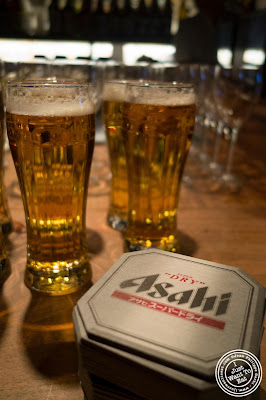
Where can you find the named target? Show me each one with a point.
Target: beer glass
(236, 92)
(158, 127)
(113, 98)
(51, 129)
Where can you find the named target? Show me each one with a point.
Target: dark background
(234, 24)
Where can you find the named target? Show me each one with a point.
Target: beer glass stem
(204, 156)
(214, 165)
(231, 151)
(229, 180)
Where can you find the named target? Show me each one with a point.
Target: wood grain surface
(38, 358)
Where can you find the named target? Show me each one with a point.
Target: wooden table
(38, 358)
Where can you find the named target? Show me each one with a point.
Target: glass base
(215, 168)
(117, 222)
(52, 279)
(169, 243)
(230, 183)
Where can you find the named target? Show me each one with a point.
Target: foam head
(114, 91)
(168, 94)
(49, 99)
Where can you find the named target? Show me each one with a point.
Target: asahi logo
(193, 298)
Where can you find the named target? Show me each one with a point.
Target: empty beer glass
(157, 130)
(51, 129)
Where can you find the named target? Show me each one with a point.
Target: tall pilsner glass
(113, 101)
(158, 128)
(51, 129)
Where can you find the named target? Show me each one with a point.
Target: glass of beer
(157, 128)
(113, 100)
(51, 129)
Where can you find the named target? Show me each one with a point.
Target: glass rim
(49, 83)
(163, 85)
(125, 81)
(116, 81)
(144, 83)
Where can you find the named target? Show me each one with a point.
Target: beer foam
(161, 95)
(48, 101)
(114, 91)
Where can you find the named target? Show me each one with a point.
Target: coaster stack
(156, 324)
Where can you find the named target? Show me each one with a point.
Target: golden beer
(158, 128)
(113, 96)
(52, 146)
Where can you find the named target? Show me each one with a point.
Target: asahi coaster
(146, 379)
(169, 315)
